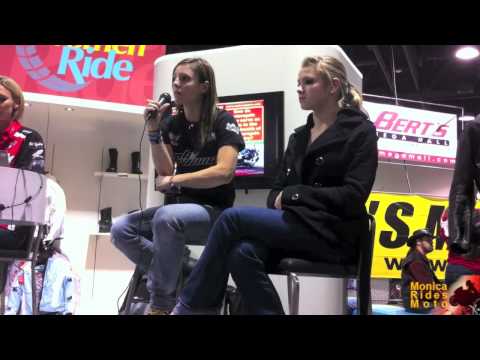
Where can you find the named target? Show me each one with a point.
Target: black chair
(292, 267)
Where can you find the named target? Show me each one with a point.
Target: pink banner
(112, 73)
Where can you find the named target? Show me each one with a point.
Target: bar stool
(293, 267)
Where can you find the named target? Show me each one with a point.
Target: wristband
(174, 187)
(155, 137)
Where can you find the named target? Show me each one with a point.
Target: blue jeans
(455, 272)
(156, 244)
(244, 242)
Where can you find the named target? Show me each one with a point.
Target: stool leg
(3, 273)
(34, 290)
(364, 298)
(33, 263)
(2, 302)
(137, 274)
(180, 283)
(345, 296)
(289, 294)
(293, 293)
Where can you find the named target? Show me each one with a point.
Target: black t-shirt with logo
(184, 137)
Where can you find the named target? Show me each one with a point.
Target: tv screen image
(260, 118)
(250, 119)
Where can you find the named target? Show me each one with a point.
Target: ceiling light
(467, 53)
(466, 118)
(69, 109)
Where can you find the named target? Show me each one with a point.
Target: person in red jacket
(25, 150)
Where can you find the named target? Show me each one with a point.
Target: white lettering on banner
(414, 135)
(232, 127)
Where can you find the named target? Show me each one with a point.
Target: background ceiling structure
(429, 73)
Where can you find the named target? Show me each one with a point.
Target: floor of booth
(379, 309)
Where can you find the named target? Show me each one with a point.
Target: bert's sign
(414, 135)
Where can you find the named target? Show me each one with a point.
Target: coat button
(319, 160)
(295, 197)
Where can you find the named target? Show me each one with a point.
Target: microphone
(162, 99)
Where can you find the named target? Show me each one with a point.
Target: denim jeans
(155, 241)
(455, 272)
(244, 242)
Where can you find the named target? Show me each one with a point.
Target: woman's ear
(14, 110)
(335, 85)
(205, 86)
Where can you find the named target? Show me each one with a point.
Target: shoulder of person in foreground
(32, 154)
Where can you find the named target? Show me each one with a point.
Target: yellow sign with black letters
(397, 217)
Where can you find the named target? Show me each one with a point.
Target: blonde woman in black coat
(316, 209)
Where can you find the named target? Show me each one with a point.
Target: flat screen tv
(260, 117)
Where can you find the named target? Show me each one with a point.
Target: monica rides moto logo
(426, 296)
(463, 297)
(77, 65)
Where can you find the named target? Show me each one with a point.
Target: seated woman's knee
(239, 254)
(231, 214)
(164, 216)
(117, 230)
(240, 217)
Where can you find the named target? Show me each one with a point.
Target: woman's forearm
(162, 159)
(205, 179)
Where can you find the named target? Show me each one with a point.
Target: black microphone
(162, 99)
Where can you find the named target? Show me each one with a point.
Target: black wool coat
(327, 183)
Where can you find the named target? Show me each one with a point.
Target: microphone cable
(162, 99)
(140, 222)
(27, 199)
